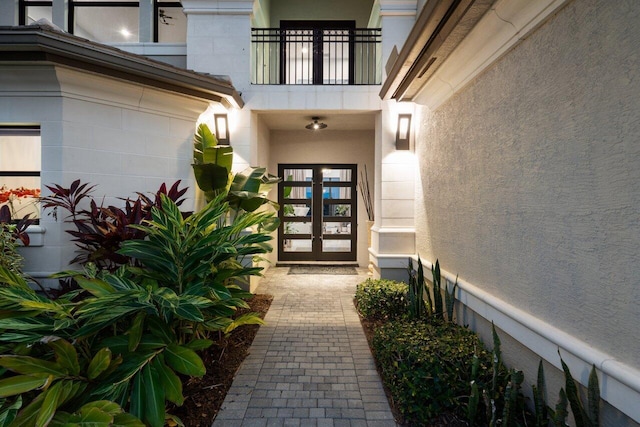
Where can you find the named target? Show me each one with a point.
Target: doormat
(322, 269)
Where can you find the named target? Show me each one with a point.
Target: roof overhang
(41, 43)
(439, 29)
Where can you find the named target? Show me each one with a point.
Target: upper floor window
(171, 22)
(106, 21)
(20, 170)
(32, 10)
(115, 21)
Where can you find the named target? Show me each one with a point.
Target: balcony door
(317, 212)
(317, 52)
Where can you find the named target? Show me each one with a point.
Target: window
(317, 52)
(20, 170)
(105, 21)
(171, 22)
(115, 21)
(31, 11)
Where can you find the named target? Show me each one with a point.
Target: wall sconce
(222, 129)
(403, 133)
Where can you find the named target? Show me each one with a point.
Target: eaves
(439, 29)
(39, 43)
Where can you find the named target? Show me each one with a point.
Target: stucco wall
(119, 136)
(529, 177)
(329, 147)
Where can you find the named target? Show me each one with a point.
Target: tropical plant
(99, 230)
(151, 315)
(583, 417)
(539, 399)
(245, 191)
(436, 308)
(498, 399)
(61, 382)
(211, 163)
(418, 308)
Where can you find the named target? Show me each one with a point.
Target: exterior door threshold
(317, 264)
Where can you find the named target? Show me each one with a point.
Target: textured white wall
(530, 177)
(122, 137)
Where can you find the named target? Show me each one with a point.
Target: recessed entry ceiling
(297, 120)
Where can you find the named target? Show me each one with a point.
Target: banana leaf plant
(245, 191)
(211, 163)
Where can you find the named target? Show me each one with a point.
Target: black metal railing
(316, 56)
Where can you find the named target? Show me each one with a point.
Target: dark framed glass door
(317, 52)
(318, 212)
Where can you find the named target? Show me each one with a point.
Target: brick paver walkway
(310, 365)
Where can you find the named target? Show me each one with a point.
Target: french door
(317, 212)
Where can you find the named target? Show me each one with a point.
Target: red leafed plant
(99, 230)
(19, 228)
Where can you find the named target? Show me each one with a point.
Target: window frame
(157, 4)
(23, 130)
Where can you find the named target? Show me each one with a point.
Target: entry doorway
(318, 212)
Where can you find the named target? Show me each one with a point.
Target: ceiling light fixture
(315, 125)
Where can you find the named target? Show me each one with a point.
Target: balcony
(316, 56)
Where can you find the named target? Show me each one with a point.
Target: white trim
(619, 383)
(503, 26)
(397, 13)
(217, 12)
(153, 49)
(389, 261)
(393, 230)
(36, 235)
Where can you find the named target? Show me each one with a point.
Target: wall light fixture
(222, 129)
(403, 133)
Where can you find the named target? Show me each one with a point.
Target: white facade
(522, 177)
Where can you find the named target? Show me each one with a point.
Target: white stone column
(393, 234)
(219, 43)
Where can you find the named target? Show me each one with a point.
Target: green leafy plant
(539, 399)
(60, 384)
(497, 399)
(437, 291)
(418, 308)
(152, 315)
(245, 191)
(211, 163)
(589, 416)
(435, 307)
(427, 366)
(12, 232)
(450, 299)
(379, 299)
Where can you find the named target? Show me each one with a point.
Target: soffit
(439, 29)
(39, 43)
(336, 121)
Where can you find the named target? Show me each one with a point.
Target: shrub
(427, 366)
(381, 299)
